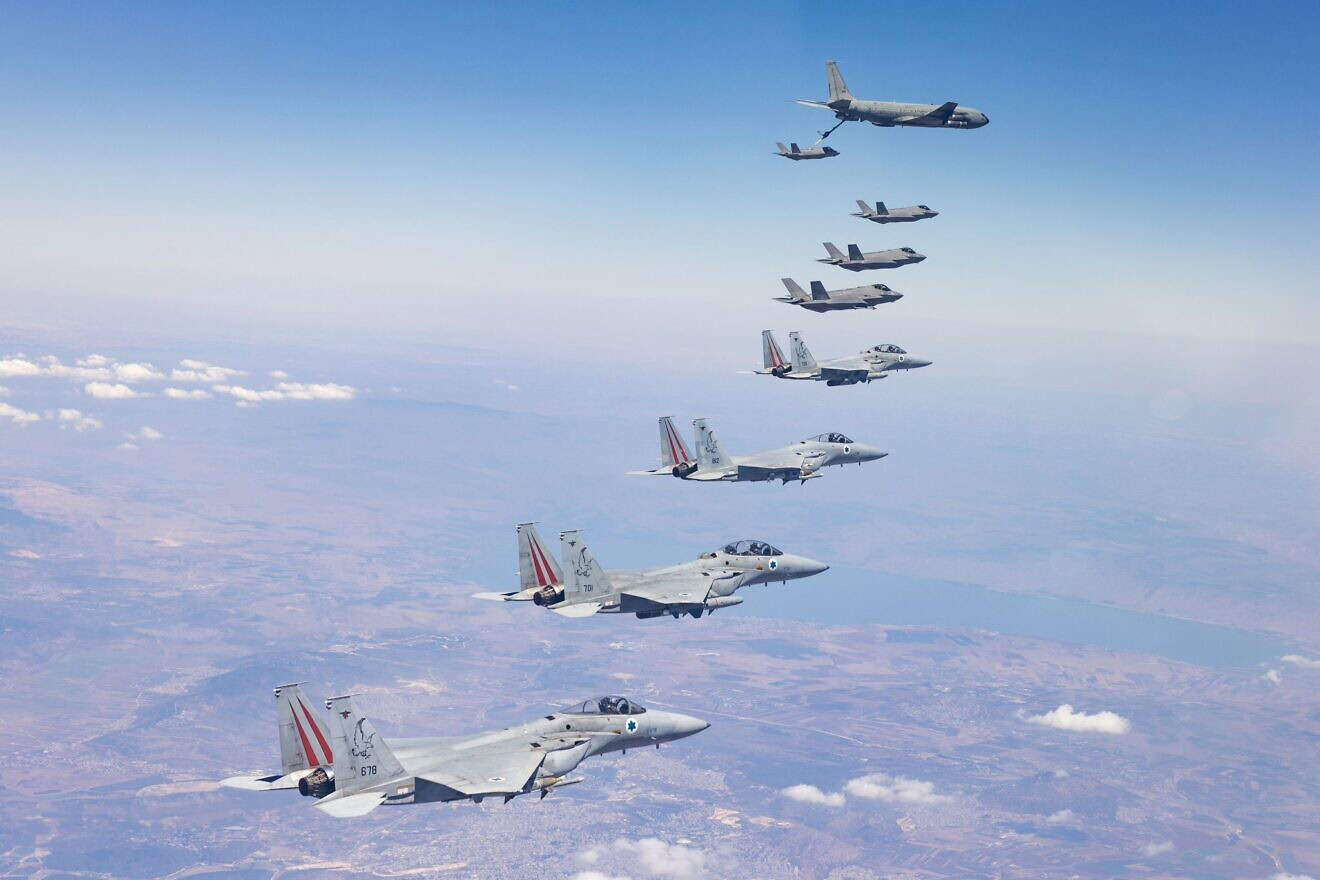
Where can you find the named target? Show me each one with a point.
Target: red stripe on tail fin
(316, 729)
(307, 746)
(544, 572)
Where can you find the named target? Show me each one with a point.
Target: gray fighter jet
(887, 114)
(802, 461)
(867, 296)
(583, 588)
(881, 214)
(796, 153)
(856, 261)
(342, 762)
(874, 363)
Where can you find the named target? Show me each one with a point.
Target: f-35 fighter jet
(881, 214)
(801, 461)
(867, 296)
(856, 261)
(583, 588)
(846, 108)
(796, 153)
(341, 761)
(874, 363)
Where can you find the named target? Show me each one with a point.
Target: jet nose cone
(686, 725)
(807, 567)
(868, 453)
(913, 363)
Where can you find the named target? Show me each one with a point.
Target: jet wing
(483, 771)
(353, 805)
(581, 609)
(939, 116)
(274, 782)
(685, 589)
(828, 373)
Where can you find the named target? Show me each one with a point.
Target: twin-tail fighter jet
(341, 761)
(874, 363)
(887, 114)
(868, 296)
(881, 214)
(856, 261)
(796, 153)
(802, 461)
(582, 588)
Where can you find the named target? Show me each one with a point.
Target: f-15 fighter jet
(341, 761)
(797, 154)
(802, 461)
(881, 214)
(583, 588)
(868, 296)
(856, 261)
(887, 114)
(873, 363)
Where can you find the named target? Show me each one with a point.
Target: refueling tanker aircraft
(881, 214)
(583, 588)
(797, 154)
(802, 461)
(856, 261)
(868, 296)
(873, 363)
(341, 761)
(887, 114)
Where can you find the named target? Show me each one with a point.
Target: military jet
(887, 114)
(797, 154)
(342, 762)
(705, 584)
(856, 261)
(869, 365)
(881, 214)
(802, 461)
(867, 296)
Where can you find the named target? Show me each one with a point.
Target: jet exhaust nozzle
(682, 470)
(549, 595)
(319, 783)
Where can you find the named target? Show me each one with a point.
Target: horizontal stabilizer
(353, 805)
(658, 472)
(581, 609)
(820, 104)
(524, 596)
(274, 782)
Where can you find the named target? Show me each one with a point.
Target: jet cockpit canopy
(830, 437)
(606, 706)
(888, 349)
(751, 548)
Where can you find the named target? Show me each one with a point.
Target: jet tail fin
(854, 252)
(771, 357)
(672, 451)
(795, 293)
(802, 359)
(838, 88)
(536, 567)
(818, 291)
(834, 252)
(866, 209)
(794, 147)
(585, 577)
(782, 149)
(304, 733)
(362, 759)
(880, 208)
(709, 453)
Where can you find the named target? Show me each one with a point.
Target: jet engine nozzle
(319, 783)
(548, 595)
(723, 601)
(683, 469)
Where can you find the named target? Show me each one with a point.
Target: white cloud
(146, 432)
(190, 370)
(137, 373)
(660, 859)
(1064, 718)
(24, 554)
(53, 367)
(1062, 817)
(1299, 660)
(18, 416)
(810, 794)
(94, 360)
(109, 391)
(1284, 875)
(278, 374)
(1273, 676)
(894, 789)
(3, 391)
(597, 875)
(508, 386)
(127, 446)
(185, 394)
(17, 366)
(289, 391)
(72, 418)
(1157, 849)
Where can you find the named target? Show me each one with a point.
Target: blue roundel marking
(774, 563)
(632, 725)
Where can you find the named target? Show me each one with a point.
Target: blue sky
(1147, 169)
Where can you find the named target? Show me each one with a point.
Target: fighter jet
(881, 214)
(797, 154)
(802, 461)
(341, 761)
(704, 584)
(821, 300)
(856, 261)
(887, 114)
(873, 363)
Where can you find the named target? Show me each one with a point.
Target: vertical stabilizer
(835, 253)
(803, 362)
(855, 253)
(782, 148)
(361, 757)
(795, 293)
(304, 734)
(772, 358)
(866, 209)
(881, 209)
(583, 576)
(794, 147)
(838, 88)
(672, 450)
(818, 291)
(536, 567)
(709, 453)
